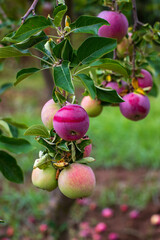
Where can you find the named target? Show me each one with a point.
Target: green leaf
(62, 77)
(81, 146)
(154, 91)
(94, 48)
(37, 130)
(5, 87)
(67, 53)
(88, 24)
(24, 73)
(9, 168)
(89, 84)
(63, 146)
(110, 64)
(30, 27)
(15, 145)
(11, 51)
(58, 49)
(5, 128)
(1, 221)
(108, 95)
(16, 124)
(58, 14)
(46, 144)
(86, 160)
(60, 97)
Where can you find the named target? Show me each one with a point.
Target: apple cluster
(74, 179)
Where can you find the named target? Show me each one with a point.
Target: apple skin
(71, 122)
(114, 85)
(125, 47)
(45, 178)
(135, 107)
(48, 111)
(93, 107)
(87, 150)
(118, 25)
(77, 181)
(146, 81)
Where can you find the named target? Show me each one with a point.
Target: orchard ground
(127, 171)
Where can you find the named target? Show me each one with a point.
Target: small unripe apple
(125, 47)
(118, 25)
(119, 87)
(71, 122)
(92, 106)
(155, 219)
(135, 107)
(146, 81)
(45, 178)
(48, 111)
(77, 181)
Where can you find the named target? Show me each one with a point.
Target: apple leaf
(5, 87)
(24, 73)
(86, 160)
(15, 124)
(5, 128)
(37, 130)
(95, 47)
(9, 168)
(11, 51)
(89, 84)
(87, 24)
(108, 95)
(58, 14)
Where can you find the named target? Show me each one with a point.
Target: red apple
(45, 178)
(48, 112)
(100, 227)
(77, 181)
(71, 122)
(146, 81)
(135, 107)
(118, 86)
(118, 25)
(92, 106)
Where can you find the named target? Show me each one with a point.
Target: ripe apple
(146, 81)
(71, 122)
(93, 107)
(119, 87)
(118, 25)
(135, 107)
(100, 227)
(48, 112)
(155, 219)
(77, 181)
(45, 178)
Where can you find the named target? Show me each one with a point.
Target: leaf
(16, 124)
(58, 14)
(67, 51)
(5, 128)
(62, 77)
(46, 144)
(63, 146)
(1, 221)
(87, 24)
(110, 64)
(57, 50)
(60, 97)
(154, 91)
(15, 145)
(37, 130)
(11, 51)
(9, 168)
(5, 87)
(86, 160)
(30, 27)
(94, 48)
(81, 146)
(89, 84)
(108, 95)
(24, 73)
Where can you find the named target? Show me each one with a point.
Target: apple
(87, 150)
(118, 25)
(113, 236)
(71, 122)
(100, 227)
(107, 213)
(92, 106)
(155, 219)
(125, 47)
(146, 81)
(45, 178)
(48, 112)
(118, 86)
(77, 181)
(135, 107)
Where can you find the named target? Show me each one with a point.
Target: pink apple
(135, 107)
(100, 227)
(155, 219)
(71, 122)
(107, 213)
(45, 178)
(43, 228)
(146, 81)
(134, 214)
(118, 25)
(124, 208)
(113, 236)
(48, 112)
(118, 86)
(77, 181)
(92, 106)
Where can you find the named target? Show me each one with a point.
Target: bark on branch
(31, 9)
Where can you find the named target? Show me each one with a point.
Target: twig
(31, 9)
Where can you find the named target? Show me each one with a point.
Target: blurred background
(127, 153)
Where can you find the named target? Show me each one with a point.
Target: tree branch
(31, 9)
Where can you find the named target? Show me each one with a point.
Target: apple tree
(116, 64)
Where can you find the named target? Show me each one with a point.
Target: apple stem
(31, 9)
